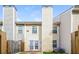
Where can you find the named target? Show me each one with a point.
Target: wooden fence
(3, 44)
(75, 42)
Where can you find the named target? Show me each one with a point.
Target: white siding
(75, 25)
(19, 36)
(56, 35)
(30, 36)
(65, 31)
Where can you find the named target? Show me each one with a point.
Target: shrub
(59, 51)
(50, 52)
(0, 30)
(54, 51)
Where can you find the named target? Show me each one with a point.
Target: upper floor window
(20, 29)
(54, 29)
(34, 29)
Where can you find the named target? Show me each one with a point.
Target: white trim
(34, 41)
(13, 23)
(71, 21)
(24, 33)
(58, 36)
(3, 20)
(25, 38)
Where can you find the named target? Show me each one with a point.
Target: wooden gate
(3, 45)
(75, 42)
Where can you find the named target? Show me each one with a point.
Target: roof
(35, 23)
(10, 6)
(32, 23)
(76, 9)
(28, 23)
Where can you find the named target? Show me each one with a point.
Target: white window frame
(20, 28)
(55, 43)
(34, 42)
(34, 29)
(54, 30)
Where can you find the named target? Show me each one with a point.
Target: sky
(34, 12)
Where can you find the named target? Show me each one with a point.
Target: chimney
(9, 17)
(47, 26)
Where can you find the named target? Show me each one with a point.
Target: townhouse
(69, 22)
(46, 35)
(37, 36)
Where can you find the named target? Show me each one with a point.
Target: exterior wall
(75, 24)
(26, 43)
(69, 23)
(56, 36)
(58, 29)
(9, 17)
(47, 27)
(65, 31)
(40, 37)
(19, 36)
(30, 36)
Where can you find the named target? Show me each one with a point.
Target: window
(20, 29)
(31, 44)
(54, 43)
(34, 44)
(34, 29)
(54, 29)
